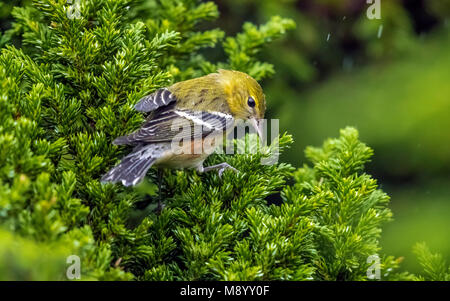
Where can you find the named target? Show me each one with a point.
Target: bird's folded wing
(160, 98)
(168, 123)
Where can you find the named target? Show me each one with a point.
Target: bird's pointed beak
(256, 124)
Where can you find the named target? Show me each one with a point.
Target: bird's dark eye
(251, 102)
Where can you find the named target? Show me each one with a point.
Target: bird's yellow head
(245, 99)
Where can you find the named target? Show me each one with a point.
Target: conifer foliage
(69, 90)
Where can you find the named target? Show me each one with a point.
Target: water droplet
(380, 31)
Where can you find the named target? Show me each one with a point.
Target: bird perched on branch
(197, 113)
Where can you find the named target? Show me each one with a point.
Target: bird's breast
(190, 153)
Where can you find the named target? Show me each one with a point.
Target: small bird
(210, 106)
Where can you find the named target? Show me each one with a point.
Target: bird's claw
(219, 167)
(225, 167)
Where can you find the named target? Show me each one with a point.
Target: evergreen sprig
(435, 267)
(344, 204)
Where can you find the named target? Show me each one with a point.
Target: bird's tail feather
(133, 168)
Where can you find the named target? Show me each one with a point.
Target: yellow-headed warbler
(214, 102)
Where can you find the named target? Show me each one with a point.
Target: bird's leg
(160, 178)
(219, 167)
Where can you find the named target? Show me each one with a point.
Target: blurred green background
(388, 77)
